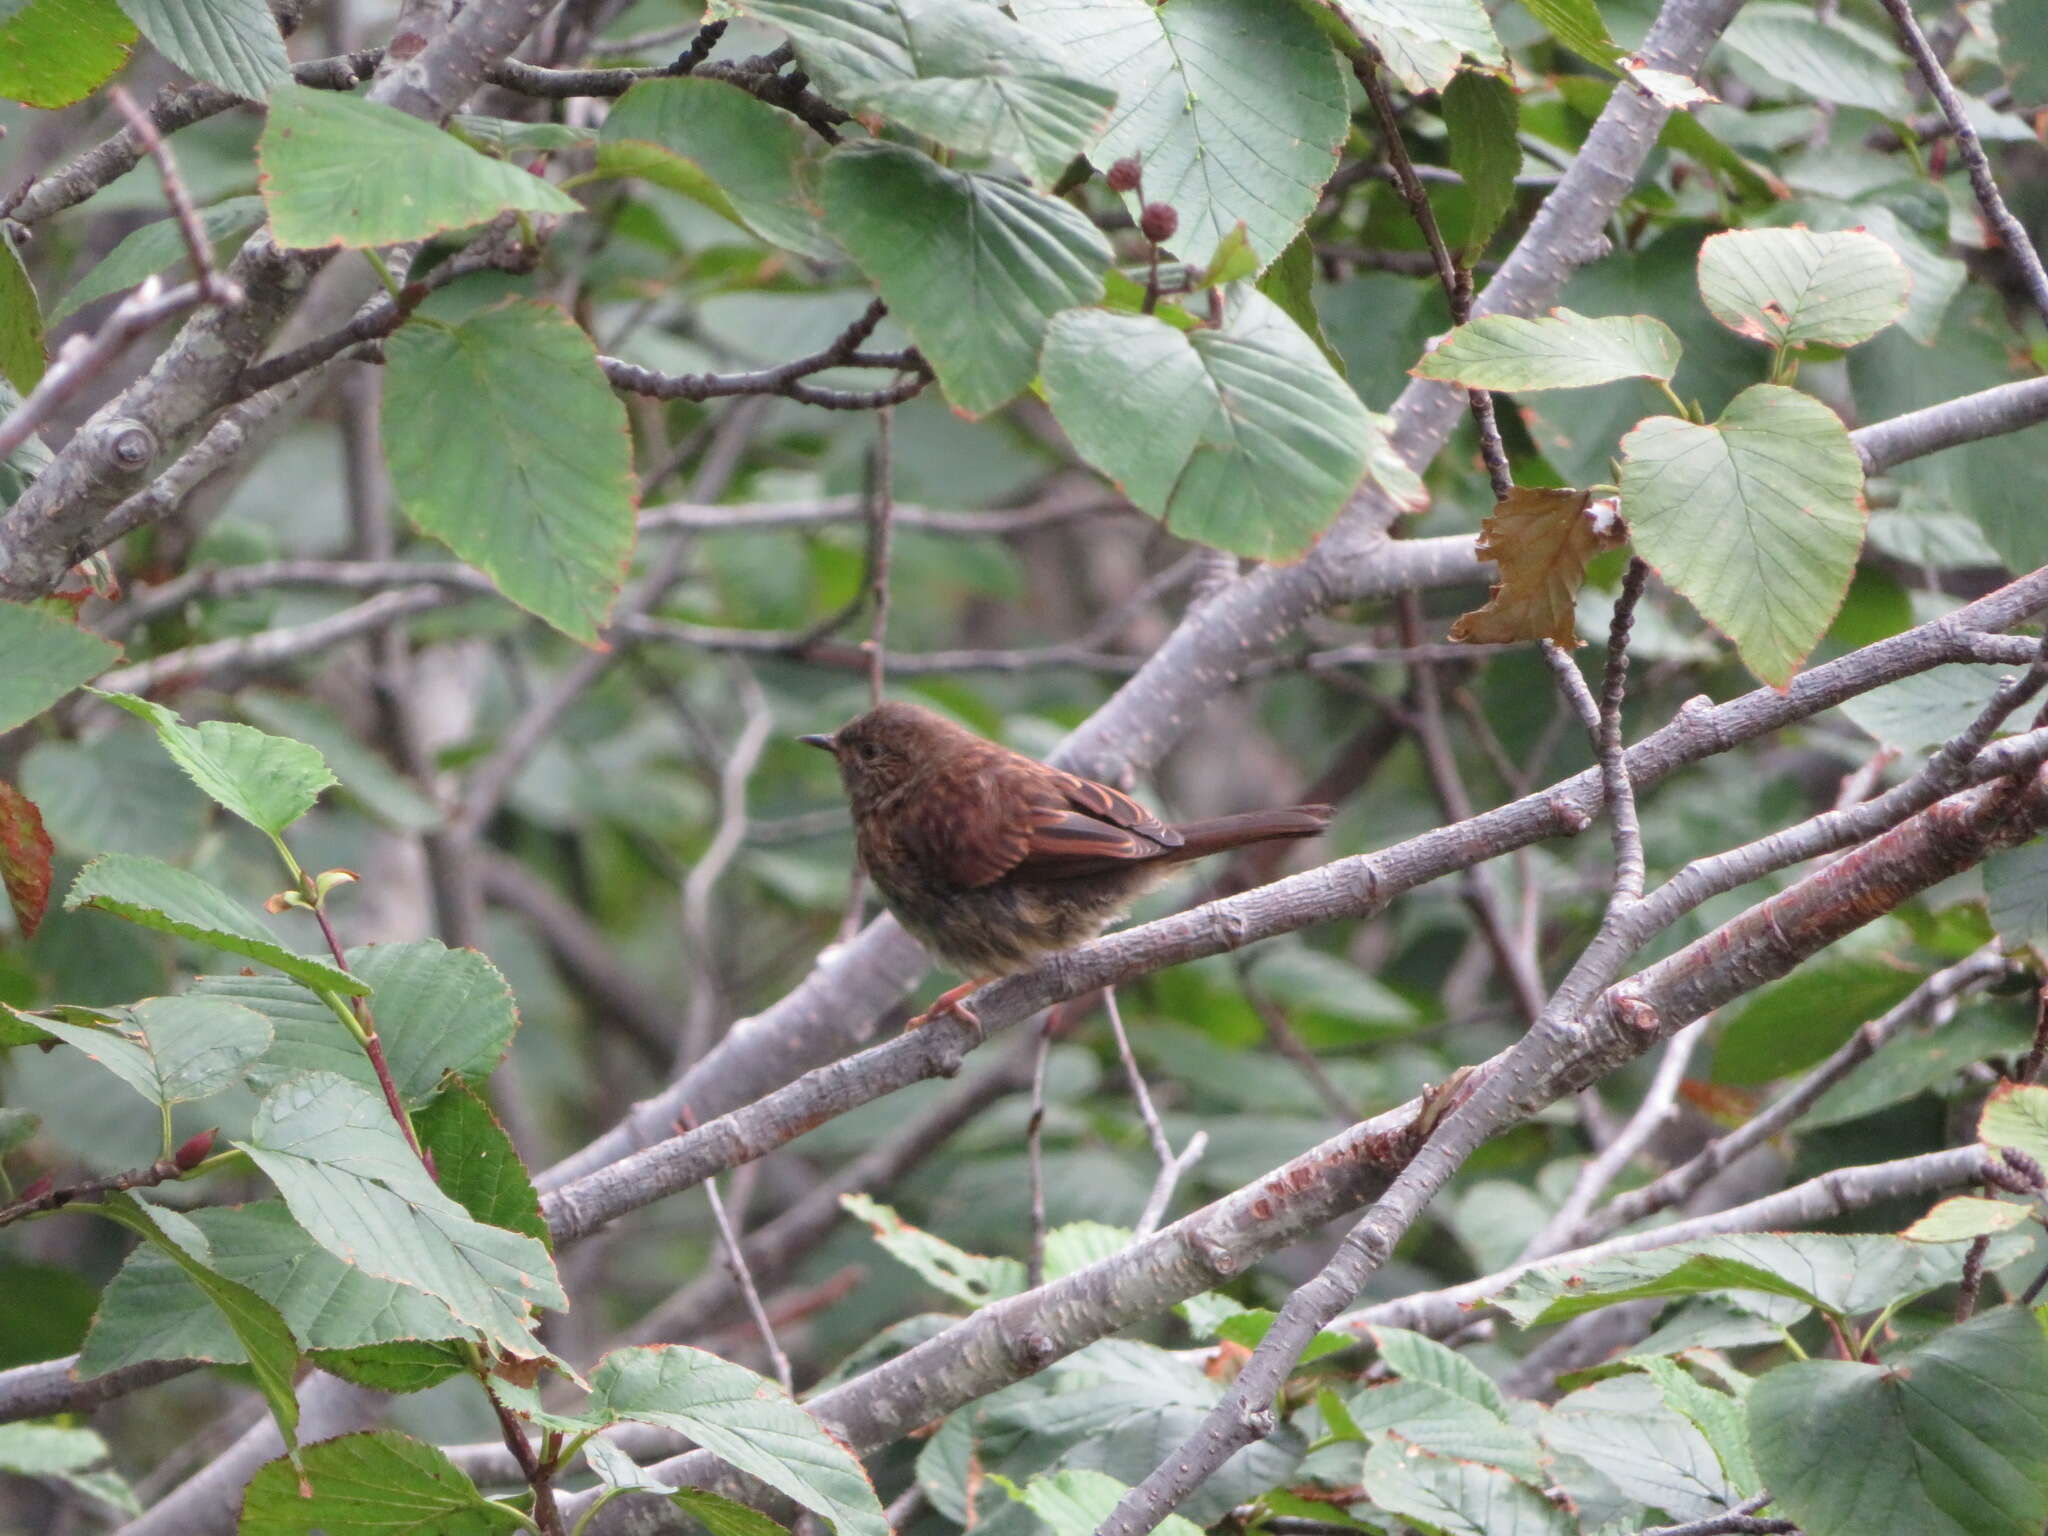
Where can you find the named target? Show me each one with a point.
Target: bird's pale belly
(998, 929)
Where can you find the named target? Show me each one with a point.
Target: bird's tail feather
(1218, 834)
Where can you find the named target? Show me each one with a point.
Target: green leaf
(1758, 519)
(47, 657)
(267, 1344)
(1561, 350)
(438, 1010)
(732, 152)
(1579, 26)
(2023, 51)
(720, 1516)
(1415, 1357)
(968, 1277)
(1232, 259)
(404, 1365)
(1250, 1328)
(378, 1483)
(152, 1310)
(1623, 1430)
(268, 781)
(1950, 1439)
(159, 248)
(18, 1028)
(1964, 1217)
(1422, 40)
(1458, 1498)
(1445, 1424)
(363, 773)
(1839, 1274)
(477, 1162)
(1922, 1060)
(152, 893)
(1790, 1025)
(17, 1128)
(1793, 287)
(328, 159)
(115, 794)
(48, 1450)
(1715, 1414)
(2016, 891)
(1242, 437)
(64, 1454)
(1934, 277)
(21, 321)
(1235, 108)
(55, 52)
(173, 1050)
(505, 443)
(1484, 117)
(1290, 283)
(1919, 713)
(743, 1419)
(1077, 1244)
(234, 44)
(2016, 1115)
(1835, 61)
(964, 74)
(1993, 482)
(345, 1171)
(1078, 1502)
(972, 266)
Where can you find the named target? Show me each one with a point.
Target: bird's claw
(955, 1004)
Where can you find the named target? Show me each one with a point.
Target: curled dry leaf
(1541, 540)
(24, 858)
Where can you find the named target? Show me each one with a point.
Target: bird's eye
(868, 751)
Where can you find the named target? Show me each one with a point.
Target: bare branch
(2011, 233)
(859, 980)
(246, 654)
(1681, 1182)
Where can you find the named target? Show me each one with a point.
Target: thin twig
(1739, 1521)
(736, 1261)
(1456, 281)
(2011, 233)
(881, 507)
(1034, 1153)
(2030, 1068)
(1562, 1230)
(1171, 1165)
(56, 1197)
(1629, 866)
(1518, 964)
(213, 287)
(1290, 1045)
(83, 358)
(699, 935)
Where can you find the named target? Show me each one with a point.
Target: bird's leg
(953, 1002)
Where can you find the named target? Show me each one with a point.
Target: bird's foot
(953, 1002)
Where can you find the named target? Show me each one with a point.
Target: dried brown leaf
(24, 858)
(1541, 539)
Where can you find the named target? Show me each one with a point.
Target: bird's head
(883, 750)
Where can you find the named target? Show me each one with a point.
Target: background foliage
(462, 447)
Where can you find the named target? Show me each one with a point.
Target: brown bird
(992, 860)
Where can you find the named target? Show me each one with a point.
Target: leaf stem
(383, 273)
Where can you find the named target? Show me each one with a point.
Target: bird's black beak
(820, 741)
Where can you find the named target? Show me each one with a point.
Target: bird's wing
(1016, 814)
